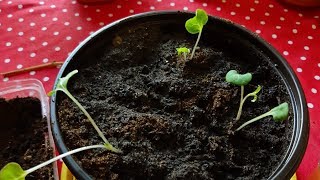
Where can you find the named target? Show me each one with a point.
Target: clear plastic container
(31, 88)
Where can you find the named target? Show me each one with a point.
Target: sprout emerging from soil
(183, 51)
(62, 86)
(279, 114)
(241, 80)
(13, 171)
(195, 26)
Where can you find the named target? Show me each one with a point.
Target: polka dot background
(40, 31)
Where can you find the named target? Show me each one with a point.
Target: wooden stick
(32, 68)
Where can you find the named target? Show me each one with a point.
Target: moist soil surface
(173, 120)
(22, 135)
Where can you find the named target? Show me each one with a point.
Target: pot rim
(299, 140)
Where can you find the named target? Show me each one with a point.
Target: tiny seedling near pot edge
(195, 25)
(183, 51)
(62, 86)
(241, 80)
(13, 171)
(279, 114)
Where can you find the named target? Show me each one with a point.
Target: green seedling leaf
(62, 83)
(235, 78)
(182, 50)
(279, 114)
(254, 94)
(12, 171)
(194, 25)
(242, 100)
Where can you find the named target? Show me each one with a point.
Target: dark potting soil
(173, 122)
(22, 135)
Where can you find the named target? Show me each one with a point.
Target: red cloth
(38, 31)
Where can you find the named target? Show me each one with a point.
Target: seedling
(183, 51)
(279, 114)
(13, 171)
(62, 86)
(195, 26)
(241, 80)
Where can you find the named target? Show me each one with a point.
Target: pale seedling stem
(195, 46)
(241, 104)
(253, 120)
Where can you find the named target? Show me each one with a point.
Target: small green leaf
(12, 171)
(182, 50)
(62, 82)
(235, 78)
(254, 94)
(194, 25)
(280, 113)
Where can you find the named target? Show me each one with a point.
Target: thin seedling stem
(195, 46)
(253, 120)
(241, 104)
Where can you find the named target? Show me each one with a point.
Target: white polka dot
(19, 66)
(290, 42)
(66, 23)
(314, 26)
(252, 9)
(110, 15)
(32, 38)
(232, 13)
(152, 8)
(318, 64)
(20, 19)
(7, 60)
(89, 19)
(32, 54)
(46, 79)
(278, 27)
(317, 77)
(285, 10)
(68, 38)
(53, 6)
(79, 28)
(9, 16)
(314, 91)
(258, 31)
(295, 31)
(286, 53)
(20, 33)
(300, 14)
(274, 36)
(91, 32)
(316, 17)
(282, 18)
(204, 4)
(189, 1)
(64, 10)
(32, 24)
(8, 44)
(266, 14)
(32, 73)
(256, 2)
(184, 8)
(139, 2)
(310, 105)
(57, 48)
(218, 8)
(306, 48)
(76, 14)
(299, 70)
(20, 6)
(298, 23)
(20, 49)
(5, 79)
(74, 2)
(237, 5)
(45, 60)
(9, 2)
(41, 3)
(43, 15)
(172, 4)
(56, 33)
(247, 17)
(310, 37)
(9, 29)
(55, 19)
(262, 22)
(44, 43)
(119, 6)
(224, 1)
(31, 10)
(44, 28)
(131, 11)
(85, 6)
(303, 58)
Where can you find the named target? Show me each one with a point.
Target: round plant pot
(247, 52)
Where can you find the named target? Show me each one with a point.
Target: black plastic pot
(247, 41)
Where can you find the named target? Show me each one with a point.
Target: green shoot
(183, 51)
(279, 114)
(195, 26)
(13, 171)
(241, 80)
(62, 86)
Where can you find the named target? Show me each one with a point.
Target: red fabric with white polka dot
(39, 31)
